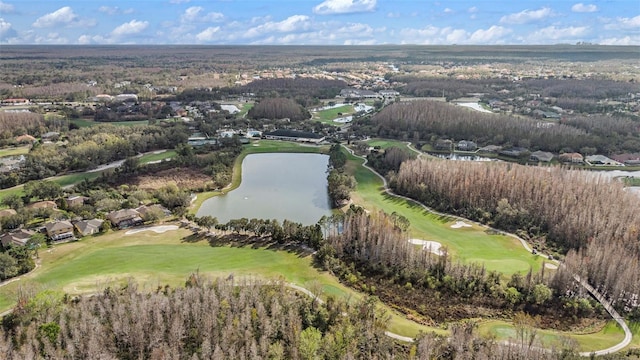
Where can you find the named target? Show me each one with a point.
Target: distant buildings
(293, 135)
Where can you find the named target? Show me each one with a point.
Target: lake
(276, 186)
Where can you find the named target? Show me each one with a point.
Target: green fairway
(153, 260)
(606, 337)
(327, 116)
(147, 158)
(469, 244)
(245, 109)
(13, 151)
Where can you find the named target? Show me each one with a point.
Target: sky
(318, 22)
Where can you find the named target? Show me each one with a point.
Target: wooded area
(590, 217)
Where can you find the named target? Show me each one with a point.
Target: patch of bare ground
(184, 178)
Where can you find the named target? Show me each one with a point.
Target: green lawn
(156, 157)
(608, 336)
(63, 180)
(471, 244)
(245, 109)
(154, 260)
(13, 151)
(327, 116)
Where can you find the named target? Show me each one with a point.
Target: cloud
(329, 7)
(209, 34)
(491, 35)
(194, 14)
(6, 29)
(623, 23)
(131, 28)
(113, 10)
(292, 23)
(552, 34)
(582, 8)
(627, 40)
(448, 11)
(472, 10)
(62, 17)
(393, 15)
(526, 16)
(6, 8)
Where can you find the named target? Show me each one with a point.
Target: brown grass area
(184, 178)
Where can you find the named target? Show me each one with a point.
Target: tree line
(424, 120)
(239, 319)
(339, 183)
(278, 108)
(589, 217)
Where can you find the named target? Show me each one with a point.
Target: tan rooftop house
(16, 238)
(7, 212)
(73, 201)
(125, 218)
(59, 230)
(47, 204)
(88, 227)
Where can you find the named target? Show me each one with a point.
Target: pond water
(276, 186)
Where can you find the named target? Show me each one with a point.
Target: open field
(328, 115)
(603, 338)
(13, 151)
(158, 156)
(468, 244)
(153, 260)
(63, 180)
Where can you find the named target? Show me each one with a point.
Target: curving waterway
(278, 186)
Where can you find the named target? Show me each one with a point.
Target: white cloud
(627, 40)
(489, 36)
(448, 11)
(292, 23)
(553, 34)
(62, 17)
(393, 15)
(472, 9)
(623, 23)
(584, 8)
(113, 10)
(329, 7)
(131, 28)
(5, 28)
(84, 39)
(194, 14)
(6, 8)
(526, 16)
(209, 34)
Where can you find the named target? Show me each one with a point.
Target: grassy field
(328, 115)
(63, 180)
(470, 244)
(245, 109)
(608, 336)
(153, 260)
(157, 157)
(13, 151)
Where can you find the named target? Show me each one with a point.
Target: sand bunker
(460, 224)
(433, 246)
(550, 266)
(156, 229)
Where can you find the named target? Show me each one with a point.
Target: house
(16, 238)
(358, 94)
(514, 152)
(50, 135)
(88, 227)
(293, 135)
(444, 144)
(73, 201)
(144, 210)
(490, 149)
(466, 145)
(125, 218)
(388, 93)
(127, 97)
(574, 158)
(541, 156)
(546, 114)
(47, 204)
(601, 160)
(7, 212)
(627, 159)
(59, 230)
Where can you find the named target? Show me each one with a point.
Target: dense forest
(224, 319)
(278, 108)
(426, 120)
(306, 91)
(591, 217)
